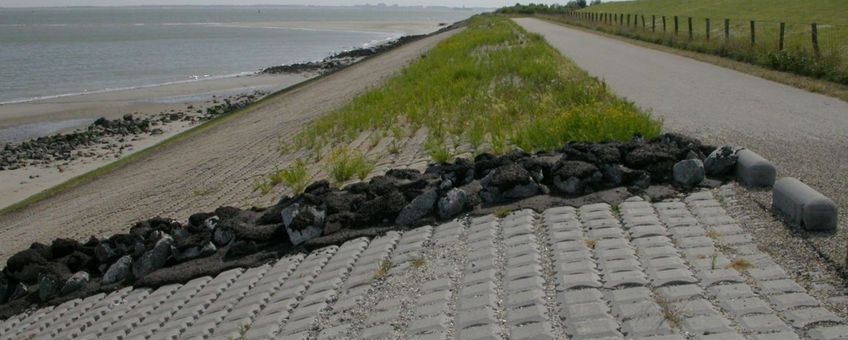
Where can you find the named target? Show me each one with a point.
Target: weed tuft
(502, 212)
(383, 270)
(418, 262)
(262, 186)
(345, 164)
(740, 265)
(294, 177)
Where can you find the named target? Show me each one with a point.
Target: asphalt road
(804, 134)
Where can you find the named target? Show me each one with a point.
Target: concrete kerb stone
(804, 206)
(753, 170)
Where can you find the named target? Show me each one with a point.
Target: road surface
(804, 134)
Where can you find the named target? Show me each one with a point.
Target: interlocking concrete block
(436, 324)
(532, 332)
(696, 307)
(526, 315)
(481, 332)
(780, 286)
(584, 311)
(629, 278)
(712, 277)
(649, 327)
(766, 323)
(475, 317)
(579, 296)
(804, 206)
(594, 329)
(793, 300)
(753, 170)
(680, 292)
(776, 336)
(802, 317)
(576, 281)
(743, 306)
(828, 332)
(711, 324)
(632, 310)
(731, 291)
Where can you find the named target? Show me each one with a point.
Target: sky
(452, 3)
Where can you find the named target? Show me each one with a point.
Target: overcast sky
(455, 3)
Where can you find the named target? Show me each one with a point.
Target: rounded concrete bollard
(752, 170)
(804, 205)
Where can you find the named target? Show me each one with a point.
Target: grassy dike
(492, 88)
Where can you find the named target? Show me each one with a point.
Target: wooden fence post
(628, 20)
(690, 28)
(663, 17)
(653, 23)
(726, 30)
(643, 22)
(815, 35)
(782, 34)
(676, 26)
(708, 29)
(753, 34)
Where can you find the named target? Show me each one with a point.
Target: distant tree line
(547, 9)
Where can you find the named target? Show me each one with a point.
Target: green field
(490, 88)
(799, 54)
(796, 11)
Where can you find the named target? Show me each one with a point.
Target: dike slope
(207, 170)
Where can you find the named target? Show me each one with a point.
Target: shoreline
(19, 184)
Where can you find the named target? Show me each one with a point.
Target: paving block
(594, 329)
(802, 317)
(680, 292)
(707, 324)
(828, 332)
(731, 291)
(532, 332)
(482, 332)
(780, 286)
(793, 300)
(766, 323)
(744, 306)
(776, 336)
(645, 327)
(804, 206)
(697, 307)
(584, 311)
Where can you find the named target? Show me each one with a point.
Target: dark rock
(606, 153)
(419, 207)
(78, 260)
(452, 203)
(318, 188)
(522, 191)
(62, 247)
(211, 223)
(24, 259)
(385, 207)
(483, 163)
(508, 176)
(406, 174)
(688, 173)
(710, 183)
(227, 212)
(721, 161)
(569, 186)
(154, 258)
(18, 291)
(302, 222)
(105, 252)
(578, 169)
(208, 249)
(647, 155)
(48, 287)
(241, 248)
(75, 282)
(341, 201)
(613, 173)
(198, 219)
(339, 221)
(222, 236)
(472, 191)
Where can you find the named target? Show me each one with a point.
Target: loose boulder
(688, 173)
(75, 282)
(302, 222)
(721, 161)
(419, 207)
(118, 271)
(452, 203)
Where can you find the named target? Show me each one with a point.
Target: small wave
(194, 78)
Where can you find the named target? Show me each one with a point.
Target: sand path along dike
(213, 168)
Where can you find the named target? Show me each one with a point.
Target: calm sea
(48, 52)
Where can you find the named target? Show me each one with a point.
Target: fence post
(663, 17)
(708, 29)
(628, 20)
(676, 26)
(726, 30)
(690, 28)
(653, 23)
(753, 34)
(815, 32)
(643, 22)
(782, 33)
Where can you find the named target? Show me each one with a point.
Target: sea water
(52, 52)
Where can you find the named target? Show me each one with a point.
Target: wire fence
(811, 49)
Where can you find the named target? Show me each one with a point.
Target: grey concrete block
(753, 170)
(802, 317)
(803, 205)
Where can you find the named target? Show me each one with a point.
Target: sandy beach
(22, 121)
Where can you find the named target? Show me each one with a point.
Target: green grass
(345, 164)
(492, 86)
(294, 177)
(797, 57)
